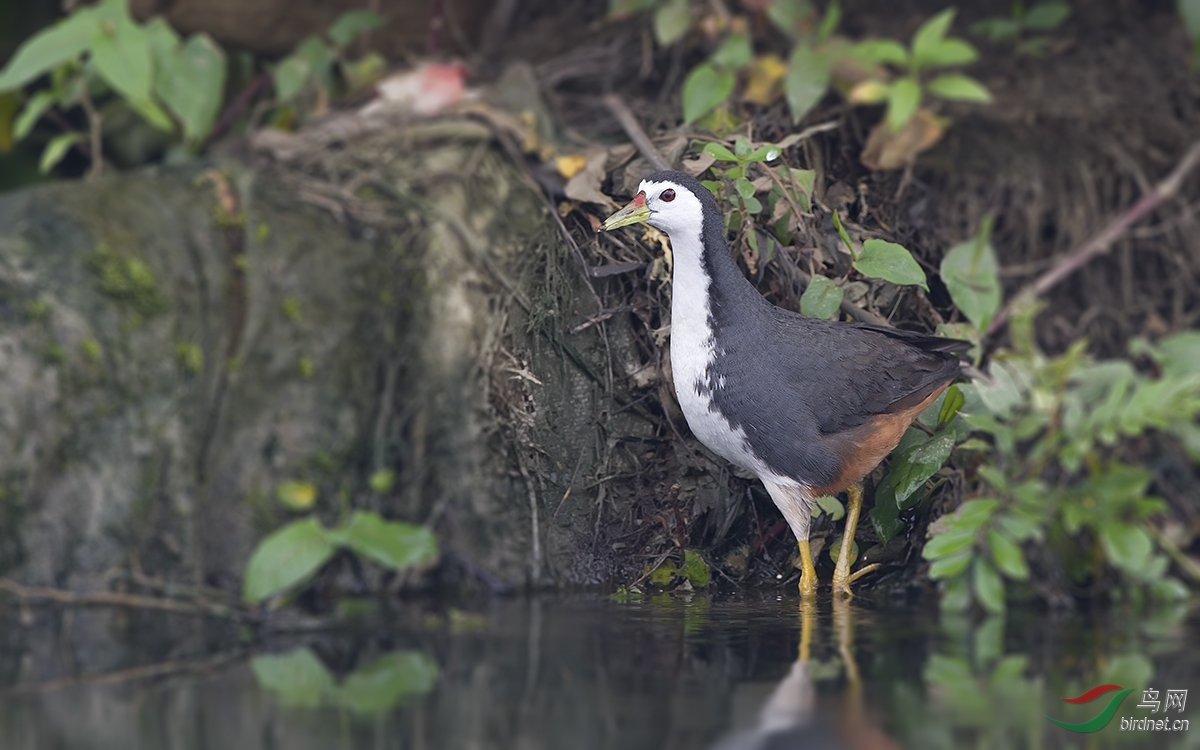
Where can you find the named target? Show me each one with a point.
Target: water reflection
(752, 671)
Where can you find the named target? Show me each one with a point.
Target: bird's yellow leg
(808, 571)
(841, 572)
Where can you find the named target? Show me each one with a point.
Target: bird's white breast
(693, 350)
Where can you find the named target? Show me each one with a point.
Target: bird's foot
(808, 570)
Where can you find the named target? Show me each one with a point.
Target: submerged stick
(1100, 243)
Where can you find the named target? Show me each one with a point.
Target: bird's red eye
(667, 195)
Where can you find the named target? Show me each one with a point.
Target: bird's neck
(707, 283)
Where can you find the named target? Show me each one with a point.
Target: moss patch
(129, 281)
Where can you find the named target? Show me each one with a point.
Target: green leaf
(1019, 528)
(975, 513)
(192, 84)
(959, 88)
(1127, 547)
(752, 204)
(694, 569)
(382, 481)
(806, 81)
(290, 77)
(734, 53)
(297, 677)
(385, 682)
(1007, 556)
(950, 52)
(121, 54)
(46, 50)
(741, 148)
(297, 495)
(821, 299)
(903, 97)
(719, 152)
(792, 18)
(31, 113)
(997, 29)
(704, 88)
(948, 543)
(744, 187)
(352, 23)
(953, 401)
(830, 21)
(874, 51)
(1180, 352)
(286, 558)
(880, 259)
(56, 149)
(972, 276)
(885, 517)
(393, 544)
(831, 505)
(766, 152)
(951, 565)
(671, 21)
(930, 35)
(1046, 16)
(988, 586)
(911, 468)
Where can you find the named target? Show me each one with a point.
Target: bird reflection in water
(790, 720)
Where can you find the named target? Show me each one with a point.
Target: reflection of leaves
(299, 678)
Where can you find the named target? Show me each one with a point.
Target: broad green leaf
(297, 495)
(831, 505)
(903, 97)
(791, 17)
(741, 147)
(972, 276)
(767, 152)
(671, 21)
(56, 149)
(752, 204)
(821, 299)
(950, 52)
(352, 23)
(1019, 528)
(880, 259)
(192, 84)
(885, 517)
(1179, 353)
(881, 51)
(806, 81)
(393, 544)
(1128, 547)
(959, 88)
(290, 77)
(835, 550)
(1007, 556)
(31, 113)
(297, 677)
(385, 682)
(719, 152)
(286, 558)
(734, 53)
(704, 88)
(988, 586)
(974, 513)
(46, 50)
(1045, 16)
(911, 468)
(948, 543)
(320, 58)
(951, 565)
(930, 35)
(744, 187)
(122, 56)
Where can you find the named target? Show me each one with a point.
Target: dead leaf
(585, 185)
(887, 150)
(570, 165)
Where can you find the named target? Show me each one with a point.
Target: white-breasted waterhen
(809, 406)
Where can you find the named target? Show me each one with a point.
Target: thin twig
(116, 599)
(633, 129)
(1101, 242)
(94, 134)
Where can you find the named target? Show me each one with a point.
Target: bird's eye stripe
(667, 195)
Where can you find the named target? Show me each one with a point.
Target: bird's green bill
(633, 213)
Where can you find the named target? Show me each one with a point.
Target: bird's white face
(666, 205)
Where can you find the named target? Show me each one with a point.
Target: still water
(752, 670)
